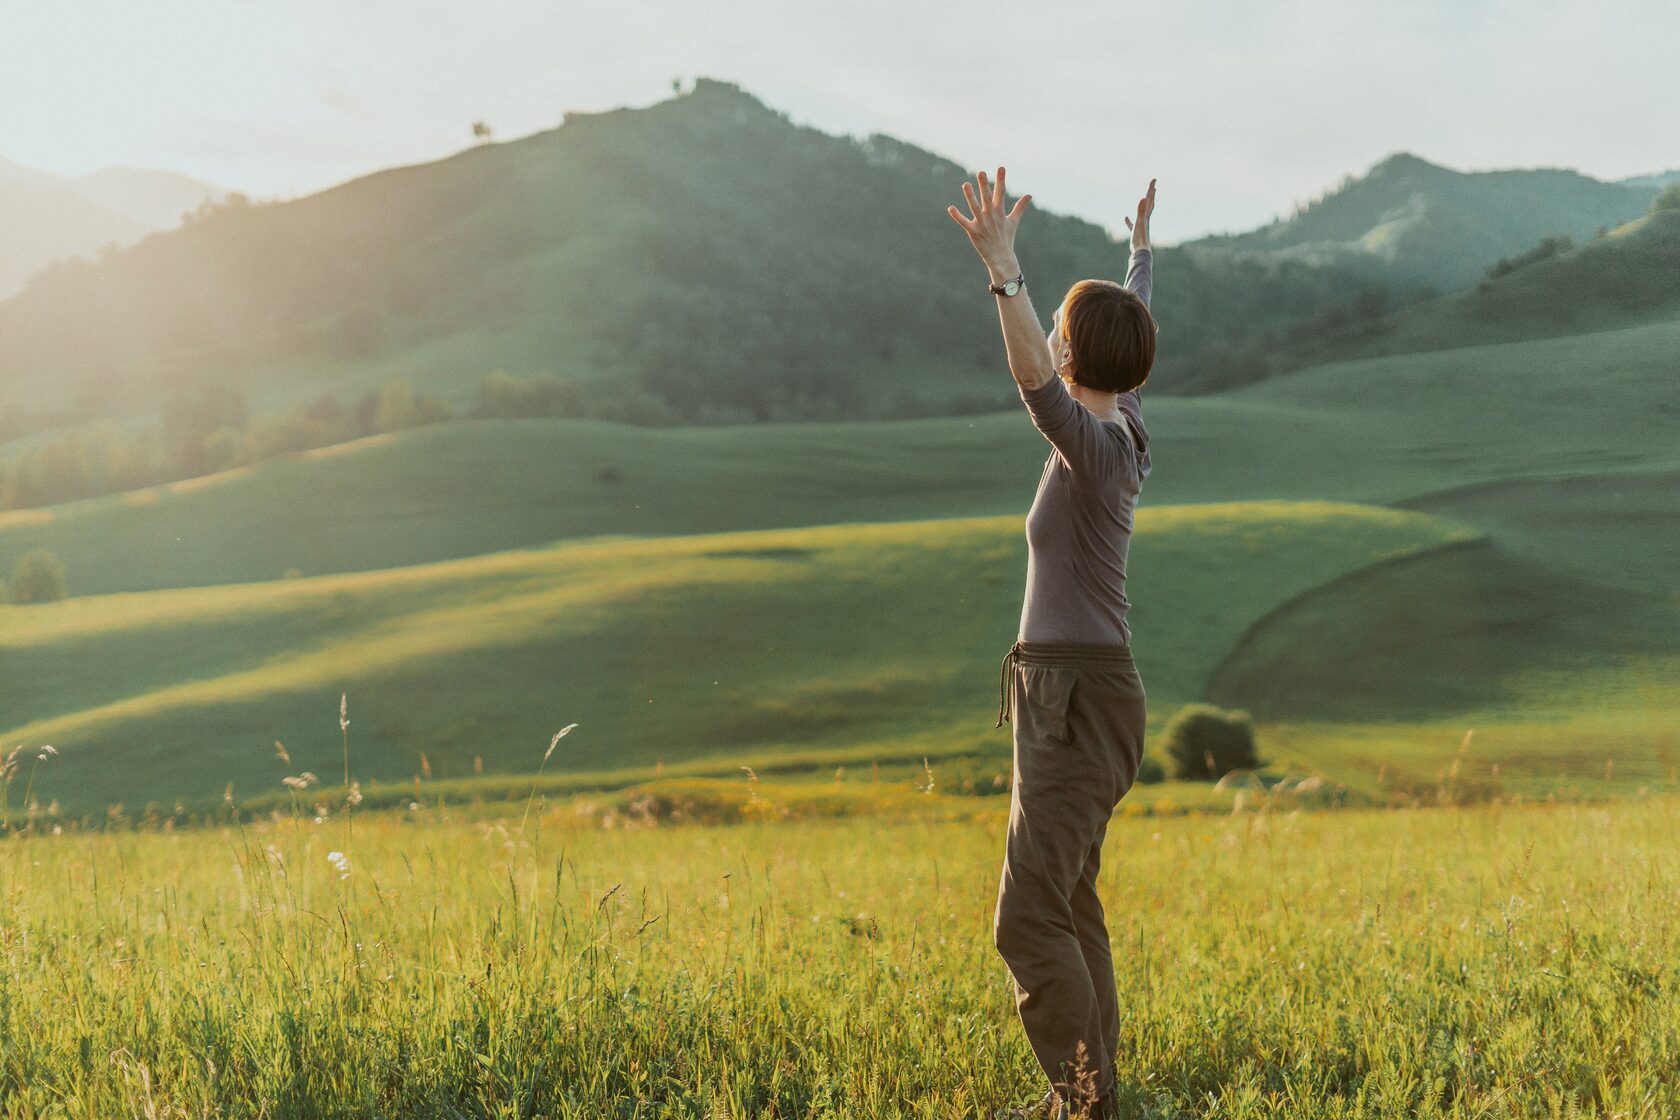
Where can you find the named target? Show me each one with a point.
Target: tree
(481, 132)
(38, 578)
(1205, 743)
(1669, 199)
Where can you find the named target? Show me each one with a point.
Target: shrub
(1150, 771)
(1668, 199)
(1205, 743)
(38, 578)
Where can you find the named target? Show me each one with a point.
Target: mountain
(701, 258)
(1417, 224)
(46, 217)
(41, 221)
(1659, 180)
(1628, 276)
(160, 199)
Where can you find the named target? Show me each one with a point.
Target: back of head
(1111, 335)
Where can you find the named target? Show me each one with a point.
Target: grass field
(476, 585)
(1484, 964)
(841, 642)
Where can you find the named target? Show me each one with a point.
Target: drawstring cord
(1050, 653)
(1005, 693)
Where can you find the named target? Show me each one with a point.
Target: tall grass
(1471, 963)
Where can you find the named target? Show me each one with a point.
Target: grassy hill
(842, 642)
(700, 259)
(1412, 222)
(1381, 430)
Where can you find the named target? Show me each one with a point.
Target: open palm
(990, 223)
(1145, 207)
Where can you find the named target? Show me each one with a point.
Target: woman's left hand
(990, 227)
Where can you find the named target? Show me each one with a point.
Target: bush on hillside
(38, 578)
(399, 405)
(1205, 743)
(1556, 244)
(501, 394)
(1667, 199)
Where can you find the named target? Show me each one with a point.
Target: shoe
(1047, 1107)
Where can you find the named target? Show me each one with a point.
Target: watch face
(1010, 287)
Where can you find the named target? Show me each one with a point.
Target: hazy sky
(1240, 108)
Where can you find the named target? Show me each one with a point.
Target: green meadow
(727, 648)
(1488, 963)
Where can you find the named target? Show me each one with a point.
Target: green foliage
(1551, 246)
(1151, 770)
(200, 434)
(1669, 199)
(501, 394)
(398, 406)
(38, 577)
(1205, 743)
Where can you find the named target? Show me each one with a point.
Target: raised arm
(991, 230)
(1072, 428)
(1140, 278)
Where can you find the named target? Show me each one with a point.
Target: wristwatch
(1008, 287)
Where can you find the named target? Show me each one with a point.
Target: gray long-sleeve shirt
(1080, 524)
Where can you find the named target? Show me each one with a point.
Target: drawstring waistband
(1051, 653)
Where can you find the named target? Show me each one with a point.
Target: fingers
(1020, 208)
(985, 190)
(973, 203)
(998, 195)
(957, 217)
(1127, 220)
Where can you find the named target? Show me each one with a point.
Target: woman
(1070, 680)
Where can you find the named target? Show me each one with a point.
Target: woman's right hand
(1146, 207)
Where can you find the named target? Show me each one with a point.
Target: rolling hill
(846, 641)
(1535, 608)
(1383, 430)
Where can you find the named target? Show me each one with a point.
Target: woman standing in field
(1069, 679)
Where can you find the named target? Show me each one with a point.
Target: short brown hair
(1111, 334)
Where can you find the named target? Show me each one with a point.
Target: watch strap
(999, 289)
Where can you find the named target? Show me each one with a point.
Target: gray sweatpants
(1078, 728)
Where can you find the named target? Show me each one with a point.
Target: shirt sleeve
(1086, 445)
(1140, 278)
(1090, 450)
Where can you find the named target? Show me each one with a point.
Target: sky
(1241, 110)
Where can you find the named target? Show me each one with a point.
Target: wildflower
(343, 711)
(355, 796)
(280, 752)
(47, 750)
(340, 861)
(302, 781)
